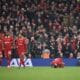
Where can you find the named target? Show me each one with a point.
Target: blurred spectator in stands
(78, 57)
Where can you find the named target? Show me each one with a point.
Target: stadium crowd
(48, 24)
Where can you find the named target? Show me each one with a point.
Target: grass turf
(40, 73)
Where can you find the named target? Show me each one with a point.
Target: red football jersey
(57, 61)
(7, 40)
(21, 45)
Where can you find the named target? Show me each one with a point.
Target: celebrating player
(58, 62)
(8, 44)
(21, 43)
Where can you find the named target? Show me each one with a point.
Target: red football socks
(22, 62)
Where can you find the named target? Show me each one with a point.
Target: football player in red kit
(8, 44)
(21, 44)
(57, 62)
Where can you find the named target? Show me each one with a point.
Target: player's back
(59, 60)
(7, 42)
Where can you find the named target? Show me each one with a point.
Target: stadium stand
(48, 24)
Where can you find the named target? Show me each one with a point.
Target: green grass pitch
(40, 73)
